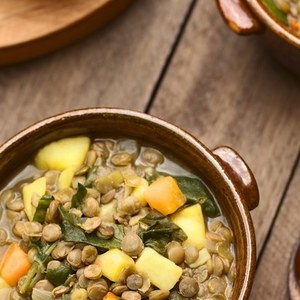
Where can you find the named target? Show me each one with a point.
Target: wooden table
(176, 59)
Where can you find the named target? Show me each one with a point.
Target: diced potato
(65, 178)
(139, 192)
(36, 187)
(5, 293)
(113, 262)
(164, 195)
(63, 154)
(107, 211)
(191, 221)
(3, 284)
(203, 257)
(162, 272)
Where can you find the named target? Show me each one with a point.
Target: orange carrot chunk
(14, 264)
(164, 195)
(294, 25)
(111, 296)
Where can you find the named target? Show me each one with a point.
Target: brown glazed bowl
(222, 169)
(247, 17)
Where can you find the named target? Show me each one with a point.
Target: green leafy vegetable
(73, 233)
(38, 267)
(275, 11)
(157, 231)
(59, 275)
(40, 212)
(78, 198)
(43, 251)
(196, 192)
(90, 176)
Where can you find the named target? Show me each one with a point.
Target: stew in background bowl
(267, 19)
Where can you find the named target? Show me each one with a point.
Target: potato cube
(162, 272)
(36, 187)
(3, 284)
(63, 154)
(65, 178)
(191, 221)
(107, 212)
(139, 192)
(113, 263)
(203, 257)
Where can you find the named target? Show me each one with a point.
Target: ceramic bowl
(247, 17)
(222, 169)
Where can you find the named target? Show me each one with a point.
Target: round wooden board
(32, 28)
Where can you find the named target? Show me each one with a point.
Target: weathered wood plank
(272, 273)
(225, 89)
(118, 66)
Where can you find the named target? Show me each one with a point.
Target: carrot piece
(110, 296)
(164, 195)
(294, 25)
(14, 264)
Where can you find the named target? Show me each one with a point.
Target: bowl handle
(238, 17)
(240, 174)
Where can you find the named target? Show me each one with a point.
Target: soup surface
(111, 219)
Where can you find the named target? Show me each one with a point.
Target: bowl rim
(240, 202)
(266, 18)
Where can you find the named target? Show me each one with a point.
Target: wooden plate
(31, 28)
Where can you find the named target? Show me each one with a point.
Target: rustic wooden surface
(118, 66)
(273, 264)
(227, 90)
(177, 60)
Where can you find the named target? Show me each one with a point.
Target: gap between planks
(165, 67)
(279, 207)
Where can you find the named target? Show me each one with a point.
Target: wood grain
(24, 20)
(272, 273)
(226, 89)
(118, 66)
(29, 29)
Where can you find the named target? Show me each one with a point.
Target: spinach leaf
(196, 192)
(38, 267)
(90, 176)
(157, 231)
(43, 251)
(73, 233)
(40, 212)
(275, 11)
(59, 275)
(78, 198)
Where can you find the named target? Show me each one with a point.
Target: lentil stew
(112, 219)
